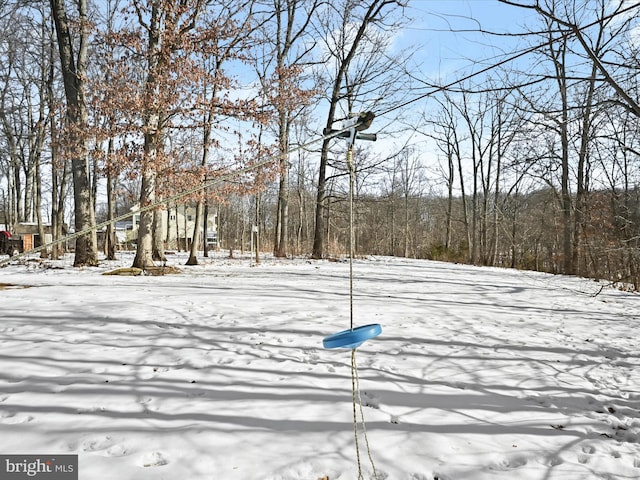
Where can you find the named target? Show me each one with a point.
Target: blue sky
(451, 44)
(449, 32)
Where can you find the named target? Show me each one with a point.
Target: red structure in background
(9, 246)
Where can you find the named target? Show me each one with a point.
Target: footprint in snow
(585, 456)
(116, 451)
(95, 444)
(12, 419)
(554, 461)
(370, 400)
(509, 463)
(154, 459)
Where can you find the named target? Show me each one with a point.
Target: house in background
(178, 223)
(27, 233)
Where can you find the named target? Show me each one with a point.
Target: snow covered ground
(219, 372)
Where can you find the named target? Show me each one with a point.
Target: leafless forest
(526, 158)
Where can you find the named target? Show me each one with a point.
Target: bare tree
(288, 45)
(354, 33)
(231, 27)
(445, 131)
(411, 181)
(577, 88)
(549, 9)
(24, 110)
(166, 25)
(73, 49)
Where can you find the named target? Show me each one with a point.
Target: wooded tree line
(533, 164)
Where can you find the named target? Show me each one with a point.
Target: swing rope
(355, 380)
(352, 172)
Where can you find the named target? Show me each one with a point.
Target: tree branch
(631, 104)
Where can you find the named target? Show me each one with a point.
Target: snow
(219, 371)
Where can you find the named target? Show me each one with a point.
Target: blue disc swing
(354, 336)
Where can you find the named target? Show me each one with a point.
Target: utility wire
(441, 88)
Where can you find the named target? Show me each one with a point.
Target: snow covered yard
(219, 372)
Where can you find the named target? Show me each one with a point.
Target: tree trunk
(156, 235)
(319, 237)
(565, 191)
(58, 193)
(582, 172)
(372, 13)
(465, 216)
(197, 228)
(257, 227)
(282, 217)
(449, 221)
(74, 71)
(38, 209)
(110, 240)
(144, 250)
(205, 226)
(152, 144)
